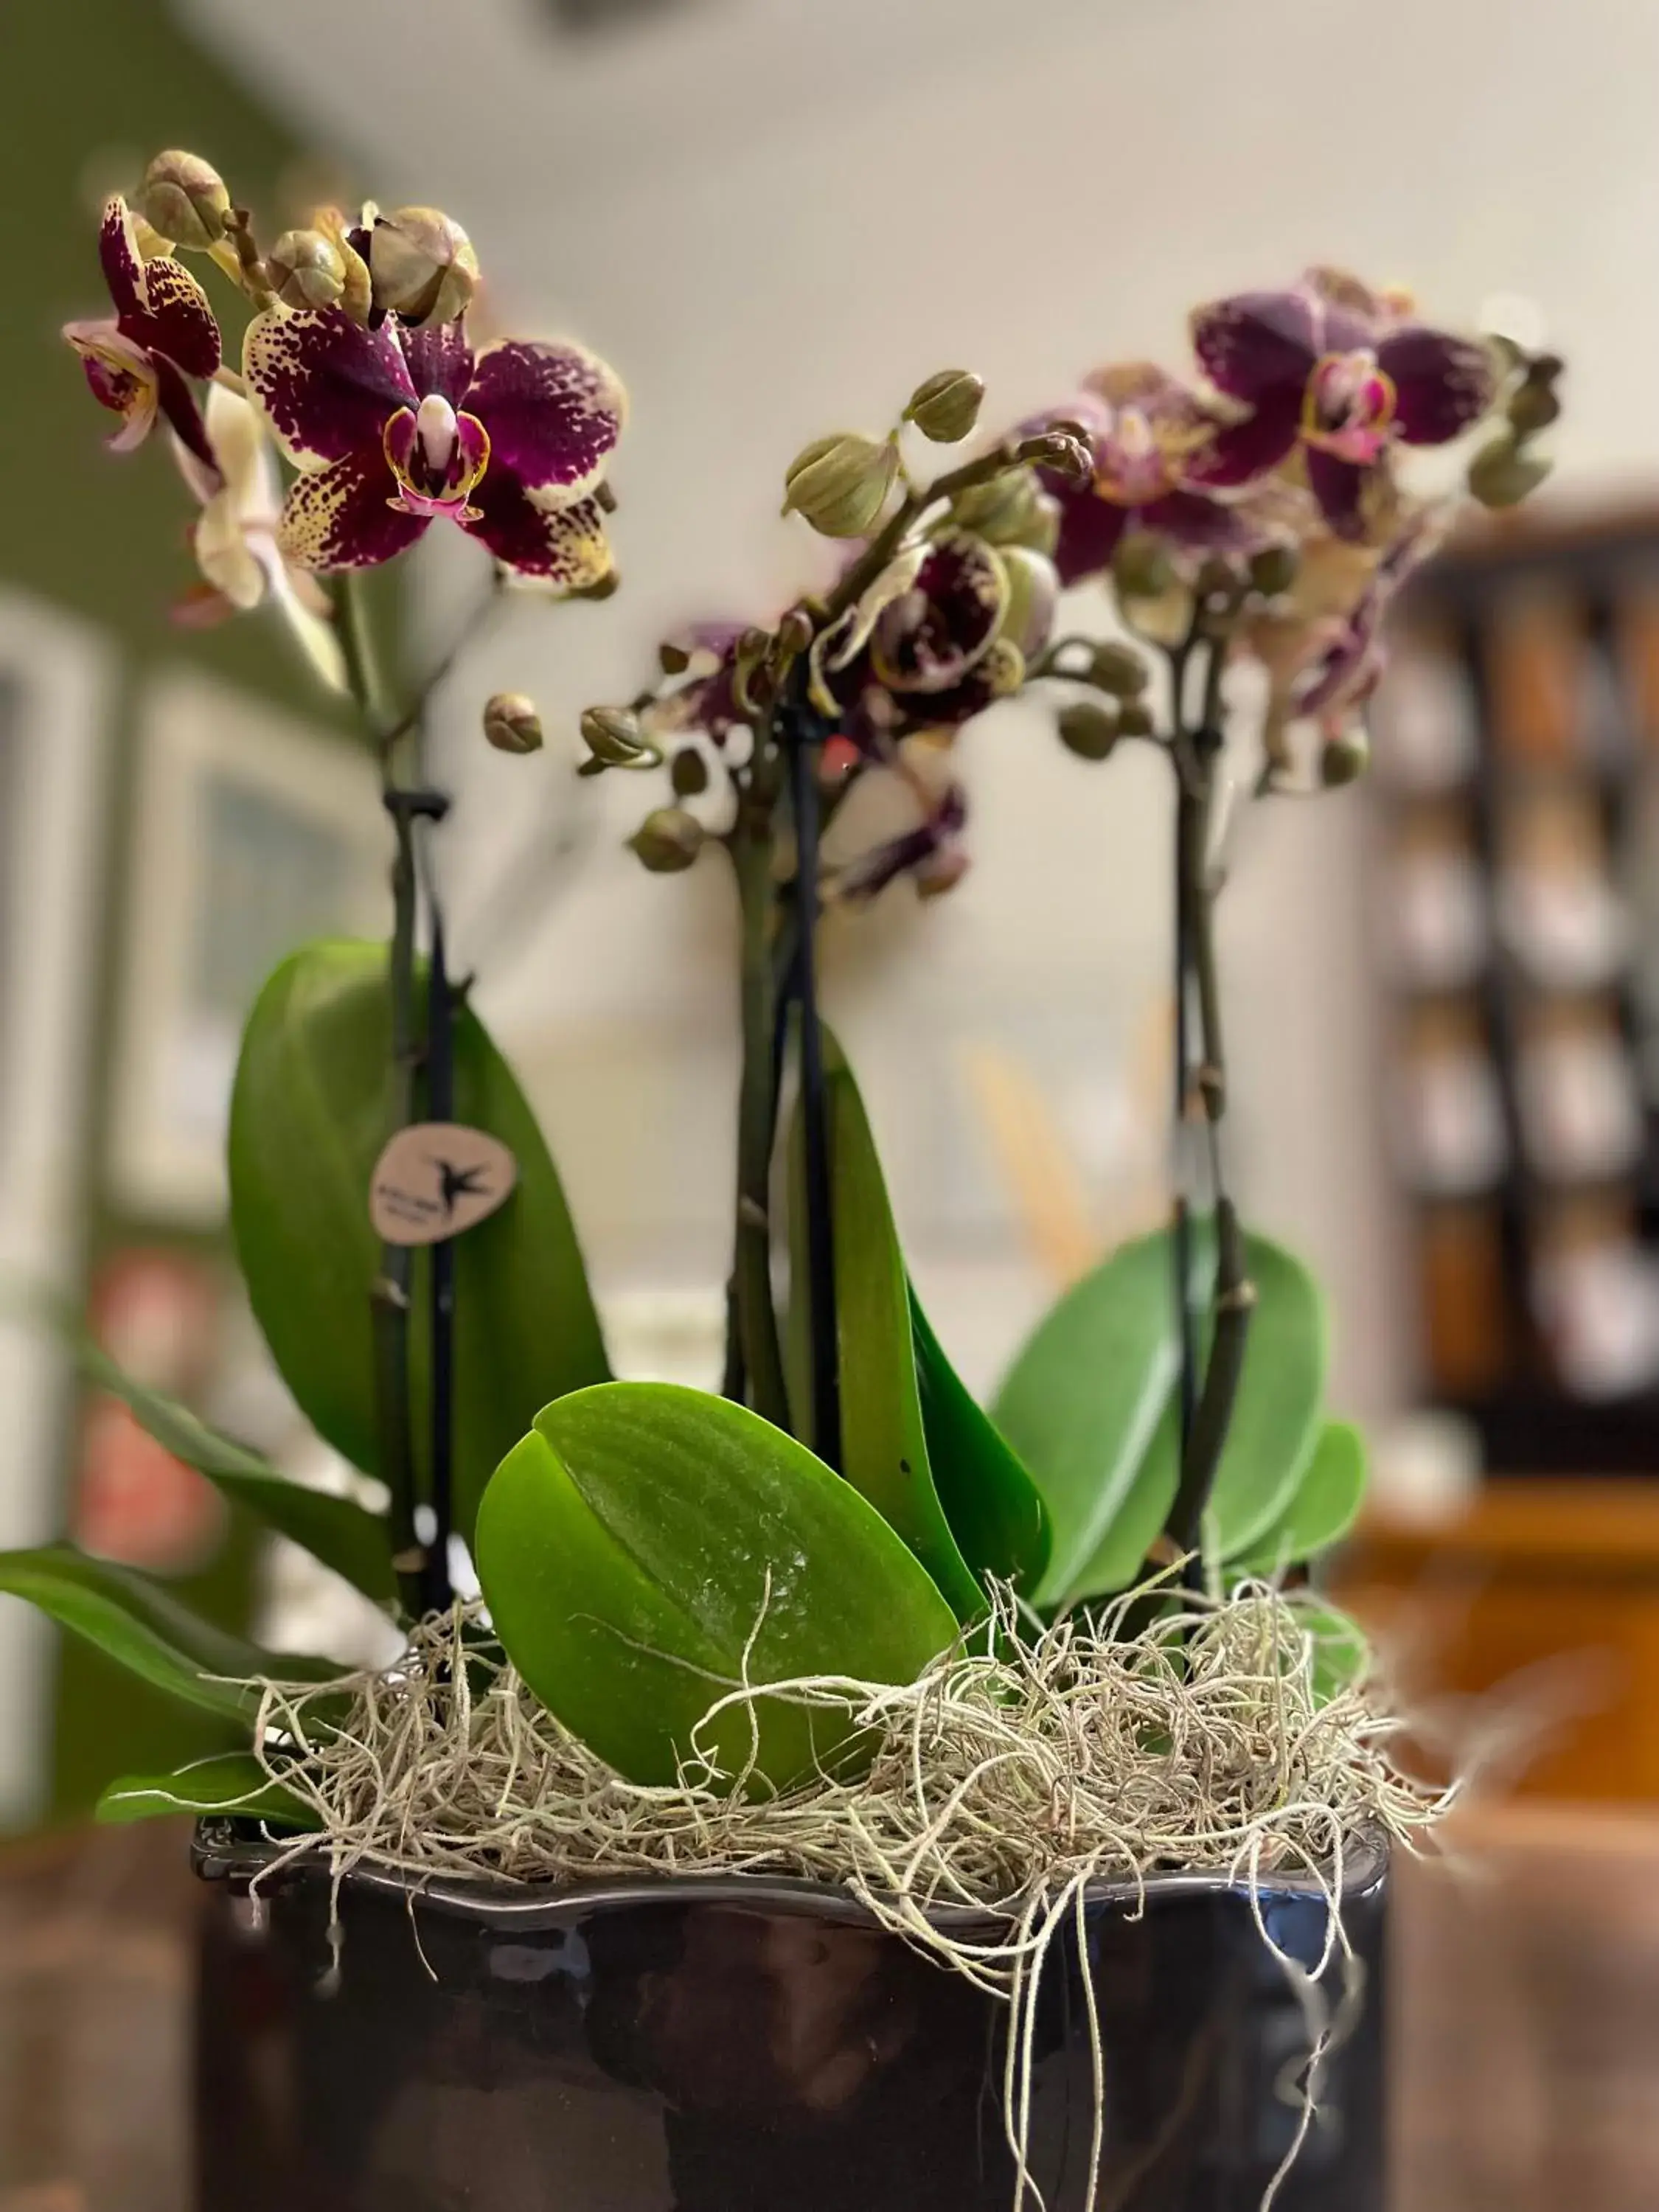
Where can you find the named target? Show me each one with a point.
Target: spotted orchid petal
(929, 638)
(1091, 529)
(158, 303)
(1240, 453)
(441, 360)
(1258, 344)
(347, 515)
(554, 413)
(1442, 384)
(564, 551)
(327, 386)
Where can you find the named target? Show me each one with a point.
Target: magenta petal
(1189, 519)
(566, 549)
(553, 412)
(1090, 528)
(1442, 384)
(1339, 488)
(175, 318)
(327, 386)
(439, 359)
(1241, 451)
(346, 516)
(119, 256)
(178, 403)
(929, 638)
(1257, 343)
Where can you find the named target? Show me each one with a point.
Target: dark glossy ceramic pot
(749, 2045)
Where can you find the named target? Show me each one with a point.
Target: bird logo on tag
(436, 1180)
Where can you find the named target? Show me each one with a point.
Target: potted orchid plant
(839, 1794)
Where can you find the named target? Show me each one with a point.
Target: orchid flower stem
(754, 1353)
(441, 1107)
(1207, 1401)
(391, 1296)
(801, 745)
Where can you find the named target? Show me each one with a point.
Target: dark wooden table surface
(1526, 2020)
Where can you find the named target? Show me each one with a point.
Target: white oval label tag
(436, 1178)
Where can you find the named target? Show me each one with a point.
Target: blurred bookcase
(1517, 752)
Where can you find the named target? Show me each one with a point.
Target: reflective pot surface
(751, 2045)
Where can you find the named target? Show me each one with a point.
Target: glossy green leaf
(1090, 1405)
(884, 1437)
(235, 1781)
(1278, 1412)
(1083, 1400)
(995, 1510)
(1326, 1503)
(135, 1622)
(309, 1119)
(343, 1535)
(646, 1544)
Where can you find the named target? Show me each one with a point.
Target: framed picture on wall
(252, 833)
(56, 686)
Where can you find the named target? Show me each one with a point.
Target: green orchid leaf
(883, 1437)
(1278, 1412)
(343, 1535)
(1090, 1405)
(309, 1117)
(1341, 1650)
(234, 1782)
(1083, 1400)
(1324, 1508)
(647, 1547)
(135, 1622)
(995, 1510)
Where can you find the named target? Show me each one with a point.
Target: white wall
(774, 216)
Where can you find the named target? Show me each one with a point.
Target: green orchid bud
(946, 407)
(1501, 475)
(184, 199)
(1065, 449)
(1033, 593)
(688, 773)
(510, 723)
(1273, 570)
(1533, 407)
(668, 840)
(1141, 567)
(1135, 719)
(672, 659)
(422, 265)
(840, 484)
(616, 739)
(1344, 756)
(1011, 509)
(305, 269)
(1118, 668)
(1088, 730)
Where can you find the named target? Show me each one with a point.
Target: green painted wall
(88, 88)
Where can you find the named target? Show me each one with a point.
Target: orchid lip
(437, 456)
(1348, 407)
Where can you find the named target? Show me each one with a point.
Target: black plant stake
(441, 1107)
(801, 733)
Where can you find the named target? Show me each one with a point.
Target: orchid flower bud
(688, 773)
(422, 265)
(1012, 510)
(668, 840)
(305, 269)
(1501, 475)
(510, 723)
(1141, 567)
(1345, 756)
(1119, 669)
(1273, 570)
(185, 199)
(1088, 730)
(615, 738)
(946, 407)
(840, 484)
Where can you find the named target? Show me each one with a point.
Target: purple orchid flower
(929, 648)
(138, 361)
(708, 701)
(391, 427)
(1331, 369)
(1145, 431)
(1348, 664)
